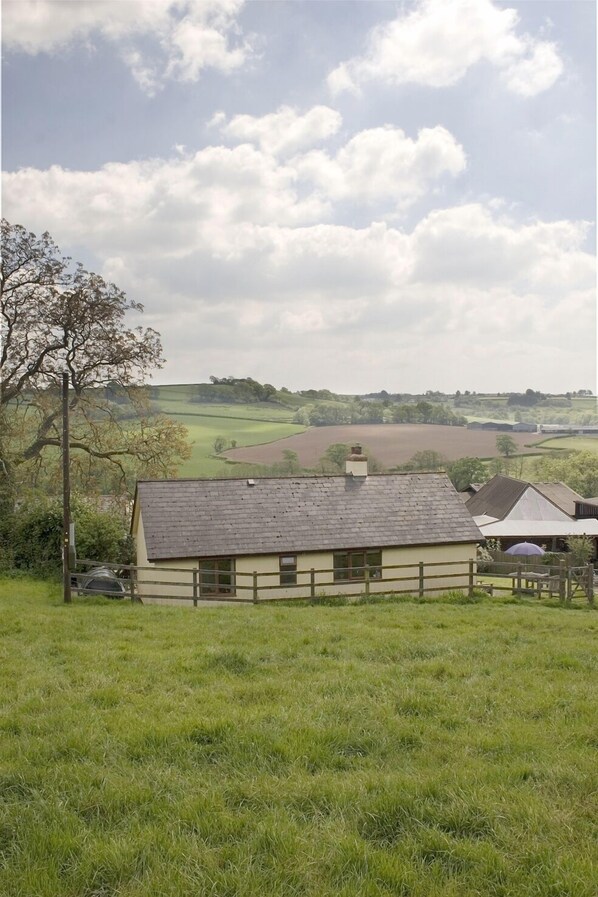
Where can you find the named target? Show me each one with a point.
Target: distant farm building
(503, 426)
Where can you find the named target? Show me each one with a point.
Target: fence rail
(193, 584)
(562, 579)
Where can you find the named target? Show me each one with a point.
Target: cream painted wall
(171, 582)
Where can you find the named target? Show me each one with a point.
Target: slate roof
(498, 496)
(226, 517)
(560, 495)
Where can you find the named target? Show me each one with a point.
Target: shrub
(36, 539)
(581, 549)
(552, 559)
(484, 559)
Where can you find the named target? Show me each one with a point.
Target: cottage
(280, 537)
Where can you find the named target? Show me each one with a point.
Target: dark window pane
(341, 567)
(350, 565)
(217, 576)
(288, 569)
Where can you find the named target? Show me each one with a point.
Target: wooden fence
(190, 585)
(527, 576)
(400, 579)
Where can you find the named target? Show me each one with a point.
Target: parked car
(99, 580)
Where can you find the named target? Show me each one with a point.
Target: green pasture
(427, 749)
(247, 424)
(178, 398)
(571, 443)
(203, 431)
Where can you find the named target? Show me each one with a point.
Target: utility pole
(66, 492)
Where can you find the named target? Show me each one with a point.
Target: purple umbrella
(525, 548)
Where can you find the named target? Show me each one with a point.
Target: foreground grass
(403, 749)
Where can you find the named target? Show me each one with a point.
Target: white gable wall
(534, 506)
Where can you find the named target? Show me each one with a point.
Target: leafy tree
(405, 414)
(427, 459)
(465, 471)
(426, 413)
(301, 417)
(581, 549)
(506, 445)
(219, 444)
(578, 470)
(290, 463)
(57, 319)
(327, 413)
(335, 457)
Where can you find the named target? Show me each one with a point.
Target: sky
(346, 195)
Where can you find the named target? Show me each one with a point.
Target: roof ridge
(295, 476)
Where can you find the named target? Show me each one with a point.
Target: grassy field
(246, 424)
(204, 430)
(572, 443)
(430, 749)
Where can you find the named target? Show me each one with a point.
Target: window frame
(287, 572)
(354, 569)
(211, 566)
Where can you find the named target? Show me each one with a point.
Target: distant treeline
(233, 390)
(322, 407)
(373, 412)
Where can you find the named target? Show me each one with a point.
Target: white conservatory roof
(538, 528)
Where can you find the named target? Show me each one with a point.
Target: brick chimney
(356, 464)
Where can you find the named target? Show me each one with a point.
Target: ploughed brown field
(391, 444)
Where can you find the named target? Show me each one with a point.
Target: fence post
(255, 586)
(367, 579)
(471, 577)
(312, 583)
(195, 588)
(421, 579)
(590, 585)
(562, 580)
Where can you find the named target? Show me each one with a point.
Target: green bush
(552, 559)
(581, 549)
(484, 559)
(36, 539)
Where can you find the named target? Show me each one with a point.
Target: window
(217, 576)
(350, 565)
(288, 569)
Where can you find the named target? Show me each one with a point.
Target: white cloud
(191, 35)
(224, 195)
(284, 131)
(437, 42)
(473, 244)
(533, 72)
(384, 165)
(228, 254)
